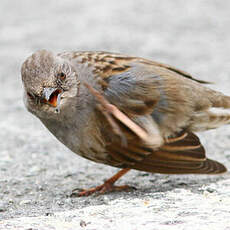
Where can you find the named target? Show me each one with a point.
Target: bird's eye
(61, 76)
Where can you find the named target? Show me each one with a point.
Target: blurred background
(36, 172)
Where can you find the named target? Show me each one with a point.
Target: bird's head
(48, 81)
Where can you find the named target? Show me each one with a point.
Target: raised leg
(108, 186)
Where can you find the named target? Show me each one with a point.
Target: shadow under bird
(124, 111)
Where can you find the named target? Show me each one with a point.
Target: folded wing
(182, 155)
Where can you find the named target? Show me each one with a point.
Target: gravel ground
(37, 173)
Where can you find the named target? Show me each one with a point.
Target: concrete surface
(37, 173)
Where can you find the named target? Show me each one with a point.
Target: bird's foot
(108, 186)
(101, 189)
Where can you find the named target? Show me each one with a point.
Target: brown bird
(124, 111)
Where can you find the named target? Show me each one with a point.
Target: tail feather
(210, 119)
(219, 100)
(224, 102)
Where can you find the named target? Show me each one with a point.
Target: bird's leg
(108, 186)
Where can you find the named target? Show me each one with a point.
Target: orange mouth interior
(53, 100)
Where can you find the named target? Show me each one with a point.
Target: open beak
(51, 96)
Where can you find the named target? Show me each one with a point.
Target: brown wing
(107, 64)
(126, 146)
(183, 155)
(175, 70)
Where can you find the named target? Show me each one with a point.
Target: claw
(108, 186)
(102, 189)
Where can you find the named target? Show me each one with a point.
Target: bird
(124, 111)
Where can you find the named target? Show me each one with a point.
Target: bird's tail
(219, 100)
(215, 116)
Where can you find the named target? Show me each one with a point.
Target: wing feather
(172, 158)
